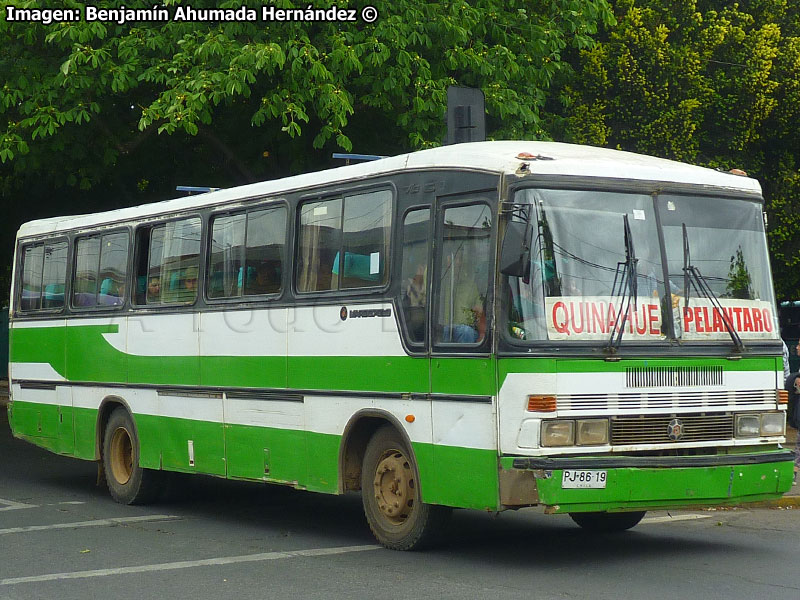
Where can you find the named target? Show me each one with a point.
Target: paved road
(62, 537)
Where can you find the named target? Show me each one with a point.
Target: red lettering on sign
(688, 318)
(737, 311)
(575, 327)
(718, 326)
(767, 319)
(757, 324)
(698, 320)
(652, 318)
(748, 320)
(561, 327)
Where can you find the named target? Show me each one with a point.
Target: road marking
(188, 564)
(671, 518)
(93, 523)
(11, 505)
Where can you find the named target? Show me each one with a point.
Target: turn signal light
(783, 397)
(542, 403)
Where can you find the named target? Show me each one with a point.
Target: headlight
(591, 432)
(558, 433)
(773, 423)
(748, 426)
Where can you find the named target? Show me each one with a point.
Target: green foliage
(100, 115)
(305, 78)
(740, 284)
(708, 82)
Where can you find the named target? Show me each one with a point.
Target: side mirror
(515, 256)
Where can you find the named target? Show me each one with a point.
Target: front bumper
(647, 483)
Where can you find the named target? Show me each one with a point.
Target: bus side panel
(190, 433)
(163, 349)
(96, 350)
(44, 415)
(265, 439)
(465, 472)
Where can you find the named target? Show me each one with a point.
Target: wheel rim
(121, 455)
(394, 487)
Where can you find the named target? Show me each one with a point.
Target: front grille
(639, 377)
(655, 429)
(677, 401)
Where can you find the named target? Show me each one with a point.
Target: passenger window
(101, 264)
(32, 278)
(344, 243)
(225, 269)
(320, 240)
(414, 276)
(463, 279)
(54, 275)
(173, 262)
(44, 274)
(247, 254)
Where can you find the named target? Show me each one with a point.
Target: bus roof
(500, 157)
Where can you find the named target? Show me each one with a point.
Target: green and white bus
(490, 325)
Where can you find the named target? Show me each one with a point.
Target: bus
(489, 325)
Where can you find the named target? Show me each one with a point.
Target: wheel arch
(357, 433)
(107, 406)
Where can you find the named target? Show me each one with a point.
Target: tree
(708, 82)
(102, 114)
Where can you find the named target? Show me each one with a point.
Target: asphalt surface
(62, 537)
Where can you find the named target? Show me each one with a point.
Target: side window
(32, 278)
(414, 275)
(320, 239)
(463, 274)
(247, 254)
(168, 260)
(344, 242)
(226, 263)
(44, 273)
(101, 264)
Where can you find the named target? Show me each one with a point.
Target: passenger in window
(463, 313)
(415, 287)
(154, 290)
(190, 282)
(267, 281)
(118, 294)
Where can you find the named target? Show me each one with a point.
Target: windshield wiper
(693, 278)
(628, 287)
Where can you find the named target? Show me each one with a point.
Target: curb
(785, 502)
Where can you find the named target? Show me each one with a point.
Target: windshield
(726, 244)
(579, 261)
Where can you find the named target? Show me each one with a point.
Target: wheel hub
(121, 455)
(394, 487)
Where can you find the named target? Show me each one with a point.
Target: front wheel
(605, 522)
(390, 493)
(127, 482)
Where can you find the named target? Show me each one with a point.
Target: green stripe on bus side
(41, 345)
(80, 353)
(453, 476)
(90, 358)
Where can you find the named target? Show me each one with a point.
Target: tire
(605, 522)
(127, 482)
(390, 493)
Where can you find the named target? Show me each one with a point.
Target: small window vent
(644, 377)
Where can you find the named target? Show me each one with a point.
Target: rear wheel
(127, 482)
(605, 522)
(390, 493)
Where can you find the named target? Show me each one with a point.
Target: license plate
(583, 479)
